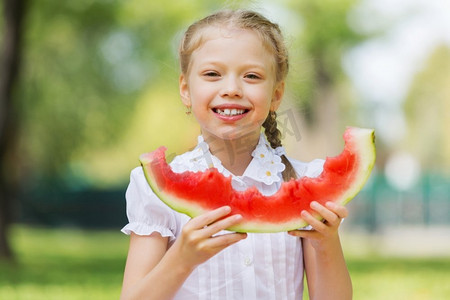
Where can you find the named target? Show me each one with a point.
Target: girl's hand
(324, 231)
(326, 272)
(196, 243)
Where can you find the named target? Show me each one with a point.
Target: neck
(235, 154)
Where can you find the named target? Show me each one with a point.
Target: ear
(277, 96)
(184, 91)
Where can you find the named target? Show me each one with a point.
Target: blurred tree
(427, 109)
(13, 12)
(70, 95)
(324, 91)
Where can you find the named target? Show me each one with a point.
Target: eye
(211, 74)
(252, 76)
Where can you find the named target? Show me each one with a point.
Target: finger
(222, 241)
(330, 216)
(338, 209)
(221, 225)
(304, 233)
(209, 217)
(313, 220)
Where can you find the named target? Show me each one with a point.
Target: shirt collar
(265, 167)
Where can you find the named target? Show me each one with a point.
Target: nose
(231, 87)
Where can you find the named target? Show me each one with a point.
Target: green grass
(64, 264)
(395, 278)
(76, 264)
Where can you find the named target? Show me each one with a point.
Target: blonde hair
(272, 39)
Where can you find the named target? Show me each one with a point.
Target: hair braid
(273, 135)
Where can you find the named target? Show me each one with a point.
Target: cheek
(264, 98)
(201, 90)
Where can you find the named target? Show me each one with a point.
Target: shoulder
(310, 169)
(146, 212)
(139, 193)
(137, 178)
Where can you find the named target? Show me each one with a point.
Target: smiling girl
(233, 68)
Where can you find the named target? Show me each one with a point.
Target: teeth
(230, 112)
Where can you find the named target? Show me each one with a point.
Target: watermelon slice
(195, 193)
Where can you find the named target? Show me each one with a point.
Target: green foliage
(427, 109)
(66, 97)
(326, 31)
(324, 38)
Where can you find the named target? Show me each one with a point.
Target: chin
(239, 134)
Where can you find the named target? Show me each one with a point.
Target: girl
(233, 67)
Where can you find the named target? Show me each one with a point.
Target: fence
(379, 205)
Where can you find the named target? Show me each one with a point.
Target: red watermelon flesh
(195, 193)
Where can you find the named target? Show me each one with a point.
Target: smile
(229, 112)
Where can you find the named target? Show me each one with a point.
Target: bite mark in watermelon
(195, 193)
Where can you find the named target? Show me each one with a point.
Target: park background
(97, 85)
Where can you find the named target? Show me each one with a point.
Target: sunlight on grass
(78, 264)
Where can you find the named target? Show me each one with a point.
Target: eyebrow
(244, 66)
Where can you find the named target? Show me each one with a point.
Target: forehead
(227, 41)
(214, 32)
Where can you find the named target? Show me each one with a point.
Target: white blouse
(262, 266)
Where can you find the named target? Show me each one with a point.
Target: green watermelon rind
(364, 142)
(175, 203)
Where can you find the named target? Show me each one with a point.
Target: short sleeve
(145, 211)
